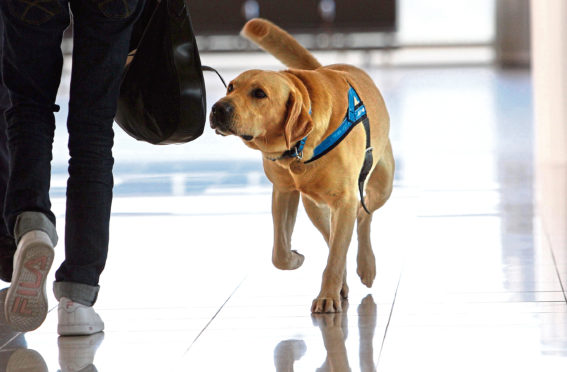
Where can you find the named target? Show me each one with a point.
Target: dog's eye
(230, 88)
(259, 93)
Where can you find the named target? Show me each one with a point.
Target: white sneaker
(77, 353)
(26, 300)
(76, 319)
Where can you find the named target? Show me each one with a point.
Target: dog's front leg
(284, 212)
(343, 217)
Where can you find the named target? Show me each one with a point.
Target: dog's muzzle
(221, 117)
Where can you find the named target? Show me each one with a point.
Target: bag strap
(208, 68)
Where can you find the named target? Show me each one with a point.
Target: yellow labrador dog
(323, 133)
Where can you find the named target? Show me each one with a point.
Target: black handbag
(162, 94)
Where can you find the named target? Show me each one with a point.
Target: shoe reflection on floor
(15, 355)
(77, 353)
(334, 330)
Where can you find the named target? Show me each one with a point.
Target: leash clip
(299, 149)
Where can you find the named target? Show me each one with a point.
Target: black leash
(208, 68)
(367, 165)
(204, 68)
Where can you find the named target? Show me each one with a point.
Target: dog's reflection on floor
(287, 352)
(334, 330)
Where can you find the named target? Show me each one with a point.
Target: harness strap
(356, 113)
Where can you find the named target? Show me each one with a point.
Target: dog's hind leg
(365, 260)
(378, 190)
(320, 216)
(284, 212)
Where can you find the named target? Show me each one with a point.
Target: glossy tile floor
(471, 261)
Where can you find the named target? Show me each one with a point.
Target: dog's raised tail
(280, 44)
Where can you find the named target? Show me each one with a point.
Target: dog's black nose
(222, 112)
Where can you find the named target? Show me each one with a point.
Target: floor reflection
(551, 185)
(287, 353)
(76, 354)
(334, 331)
(14, 354)
(367, 327)
(23, 359)
(514, 174)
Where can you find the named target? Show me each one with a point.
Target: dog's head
(268, 110)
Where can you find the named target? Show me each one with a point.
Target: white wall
(549, 64)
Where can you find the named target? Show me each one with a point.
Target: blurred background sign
(296, 16)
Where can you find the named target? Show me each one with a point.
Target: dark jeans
(7, 244)
(4, 157)
(32, 65)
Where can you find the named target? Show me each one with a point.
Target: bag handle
(209, 68)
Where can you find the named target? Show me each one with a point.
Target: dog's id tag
(297, 167)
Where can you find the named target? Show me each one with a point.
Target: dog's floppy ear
(297, 123)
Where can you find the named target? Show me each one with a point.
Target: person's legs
(7, 243)
(31, 67)
(102, 31)
(32, 64)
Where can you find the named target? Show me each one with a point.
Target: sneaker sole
(26, 300)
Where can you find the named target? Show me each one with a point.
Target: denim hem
(29, 221)
(81, 293)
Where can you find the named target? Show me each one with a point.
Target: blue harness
(356, 113)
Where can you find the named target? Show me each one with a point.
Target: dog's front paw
(291, 261)
(366, 269)
(326, 304)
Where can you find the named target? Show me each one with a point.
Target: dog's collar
(295, 152)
